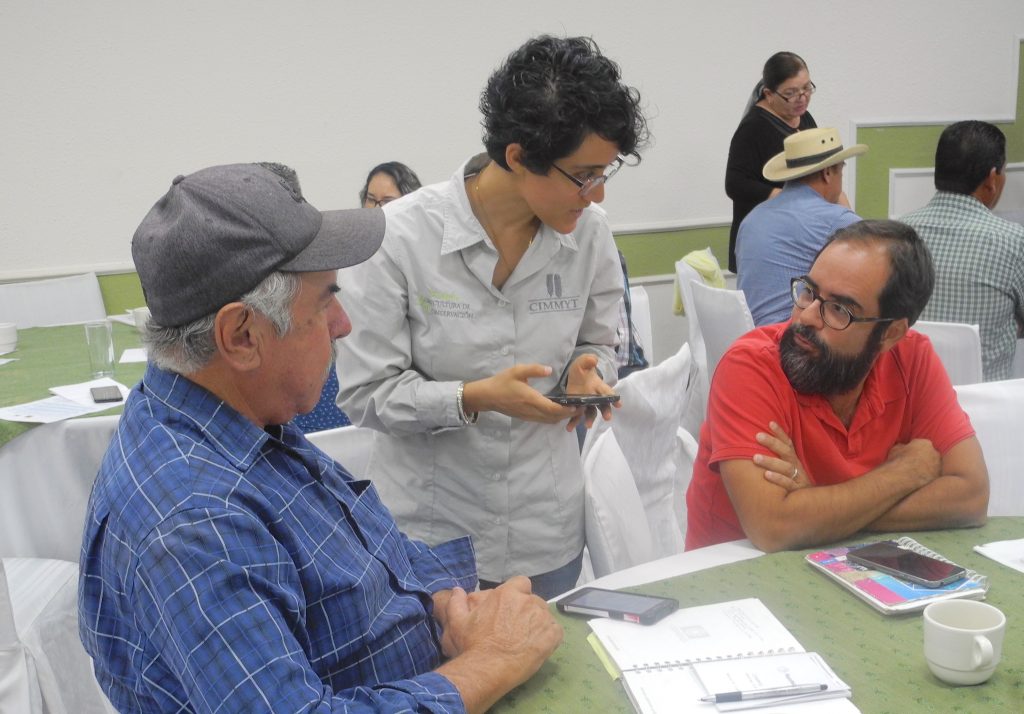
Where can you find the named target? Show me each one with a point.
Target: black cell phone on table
(105, 394)
(631, 607)
(583, 400)
(888, 557)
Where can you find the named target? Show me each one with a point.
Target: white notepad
(659, 662)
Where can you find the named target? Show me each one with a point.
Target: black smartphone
(105, 394)
(583, 400)
(888, 557)
(631, 607)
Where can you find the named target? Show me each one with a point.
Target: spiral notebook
(890, 595)
(658, 661)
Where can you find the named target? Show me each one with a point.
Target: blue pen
(772, 692)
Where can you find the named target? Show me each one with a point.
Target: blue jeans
(554, 582)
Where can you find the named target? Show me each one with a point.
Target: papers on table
(713, 649)
(70, 400)
(1008, 552)
(757, 673)
(134, 354)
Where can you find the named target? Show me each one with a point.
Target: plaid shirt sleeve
(223, 606)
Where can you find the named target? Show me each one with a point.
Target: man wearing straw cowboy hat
(778, 240)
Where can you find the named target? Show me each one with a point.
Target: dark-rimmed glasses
(586, 186)
(834, 314)
(372, 202)
(792, 94)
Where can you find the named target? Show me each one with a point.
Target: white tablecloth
(46, 475)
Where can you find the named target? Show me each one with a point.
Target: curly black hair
(553, 92)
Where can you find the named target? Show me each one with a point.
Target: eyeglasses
(372, 202)
(588, 185)
(834, 314)
(791, 94)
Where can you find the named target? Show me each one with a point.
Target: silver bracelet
(466, 418)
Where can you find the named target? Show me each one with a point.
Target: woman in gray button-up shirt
(489, 291)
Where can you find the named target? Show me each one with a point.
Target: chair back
(44, 669)
(654, 403)
(686, 275)
(996, 410)
(958, 346)
(617, 532)
(723, 315)
(46, 476)
(350, 446)
(640, 308)
(54, 301)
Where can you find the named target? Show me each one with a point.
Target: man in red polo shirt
(840, 420)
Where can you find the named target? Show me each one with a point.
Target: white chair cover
(19, 685)
(958, 346)
(350, 446)
(723, 316)
(46, 475)
(996, 410)
(54, 301)
(617, 532)
(640, 309)
(685, 275)
(654, 401)
(686, 457)
(51, 673)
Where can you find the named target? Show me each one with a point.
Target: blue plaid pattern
(979, 273)
(226, 568)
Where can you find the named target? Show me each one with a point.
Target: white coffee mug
(8, 337)
(963, 640)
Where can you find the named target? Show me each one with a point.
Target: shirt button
(496, 476)
(503, 303)
(504, 350)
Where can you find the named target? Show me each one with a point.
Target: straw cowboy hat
(807, 152)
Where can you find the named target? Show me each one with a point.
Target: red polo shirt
(907, 395)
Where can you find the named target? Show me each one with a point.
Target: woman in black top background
(777, 108)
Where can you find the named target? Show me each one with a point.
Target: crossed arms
(915, 488)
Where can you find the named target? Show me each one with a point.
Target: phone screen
(889, 557)
(632, 607)
(614, 600)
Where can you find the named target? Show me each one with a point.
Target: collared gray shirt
(426, 317)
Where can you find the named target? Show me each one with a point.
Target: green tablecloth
(52, 356)
(879, 656)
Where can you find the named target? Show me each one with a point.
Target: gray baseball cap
(217, 233)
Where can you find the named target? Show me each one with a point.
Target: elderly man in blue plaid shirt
(228, 564)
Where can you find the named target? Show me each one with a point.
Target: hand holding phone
(583, 400)
(888, 557)
(631, 607)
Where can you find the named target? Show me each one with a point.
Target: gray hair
(188, 348)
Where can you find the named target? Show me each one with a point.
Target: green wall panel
(121, 291)
(906, 147)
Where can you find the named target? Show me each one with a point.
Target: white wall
(105, 101)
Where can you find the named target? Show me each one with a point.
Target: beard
(826, 373)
